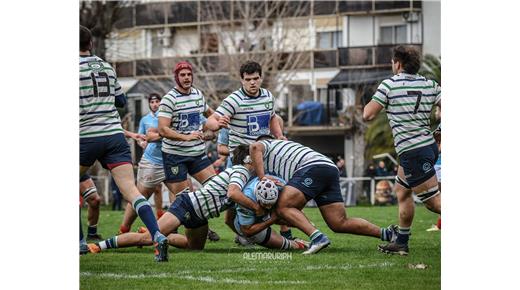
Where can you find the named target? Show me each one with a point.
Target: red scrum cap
(180, 66)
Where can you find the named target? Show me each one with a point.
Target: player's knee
(95, 201)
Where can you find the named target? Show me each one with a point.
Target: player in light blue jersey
(408, 99)
(102, 137)
(258, 228)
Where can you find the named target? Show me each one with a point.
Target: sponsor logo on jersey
(307, 181)
(426, 167)
(95, 66)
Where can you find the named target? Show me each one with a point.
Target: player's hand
(142, 143)
(282, 137)
(259, 211)
(223, 122)
(194, 136)
(275, 180)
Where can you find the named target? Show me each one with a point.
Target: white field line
(207, 279)
(349, 266)
(191, 275)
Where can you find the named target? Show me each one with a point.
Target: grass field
(350, 262)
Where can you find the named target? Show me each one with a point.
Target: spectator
(116, 195)
(369, 172)
(381, 169)
(341, 166)
(384, 194)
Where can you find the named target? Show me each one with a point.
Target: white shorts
(149, 174)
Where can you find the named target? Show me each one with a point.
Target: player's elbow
(161, 130)
(367, 116)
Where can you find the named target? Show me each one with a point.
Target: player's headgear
(266, 192)
(154, 96)
(180, 66)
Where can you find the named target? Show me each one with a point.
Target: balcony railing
(191, 12)
(342, 57)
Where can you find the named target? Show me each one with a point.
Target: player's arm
(251, 230)
(371, 110)
(166, 132)
(152, 135)
(216, 121)
(256, 151)
(276, 127)
(236, 195)
(135, 136)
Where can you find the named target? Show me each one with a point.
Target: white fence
(348, 189)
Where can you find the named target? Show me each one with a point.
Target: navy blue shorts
(318, 182)
(111, 151)
(177, 167)
(183, 209)
(418, 164)
(84, 177)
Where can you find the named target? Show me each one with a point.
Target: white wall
(360, 31)
(184, 41)
(432, 27)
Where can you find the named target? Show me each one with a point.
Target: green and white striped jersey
(408, 101)
(283, 158)
(250, 116)
(212, 199)
(98, 88)
(185, 111)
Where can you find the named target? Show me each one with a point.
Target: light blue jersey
(245, 216)
(152, 152)
(223, 138)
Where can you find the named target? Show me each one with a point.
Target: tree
(100, 17)
(260, 32)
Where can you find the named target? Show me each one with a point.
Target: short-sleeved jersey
(408, 100)
(250, 116)
(185, 111)
(152, 152)
(98, 88)
(245, 215)
(212, 199)
(283, 158)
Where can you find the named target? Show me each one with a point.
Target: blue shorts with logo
(318, 182)
(183, 209)
(177, 167)
(418, 164)
(111, 151)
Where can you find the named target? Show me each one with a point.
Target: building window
(393, 34)
(330, 39)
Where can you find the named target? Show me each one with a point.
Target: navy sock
(403, 235)
(92, 230)
(287, 234)
(144, 210)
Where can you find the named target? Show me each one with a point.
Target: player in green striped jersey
(249, 111)
(193, 209)
(408, 99)
(102, 137)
